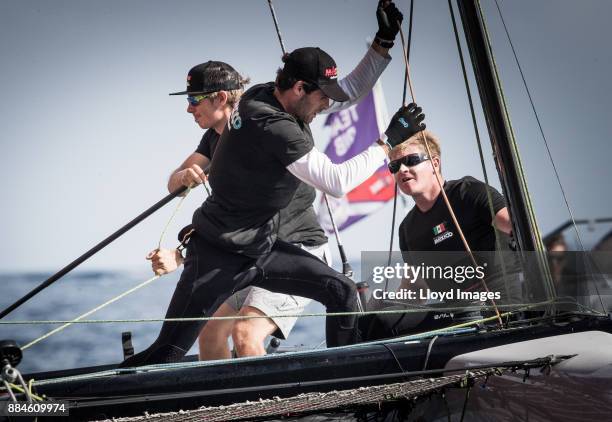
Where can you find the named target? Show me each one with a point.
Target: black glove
(405, 123)
(389, 18)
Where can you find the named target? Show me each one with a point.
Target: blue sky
(89, 134)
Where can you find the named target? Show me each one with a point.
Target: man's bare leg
(213, 337)
(249, 334)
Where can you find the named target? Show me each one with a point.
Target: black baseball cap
(311, 64)
(211, 76)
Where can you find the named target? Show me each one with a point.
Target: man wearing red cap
(299, 222)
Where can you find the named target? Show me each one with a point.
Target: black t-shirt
(249, 180)
(298, 221)
(421, 233)
(434, 230)
(208, 143)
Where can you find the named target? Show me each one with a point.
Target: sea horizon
(92, 344)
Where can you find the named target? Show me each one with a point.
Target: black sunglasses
(409, 161)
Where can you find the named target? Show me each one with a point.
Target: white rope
(86, 314)
(116, 298)
(513, 307)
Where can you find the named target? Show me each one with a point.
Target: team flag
(352, 131)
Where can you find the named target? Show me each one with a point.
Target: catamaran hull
(565, 393)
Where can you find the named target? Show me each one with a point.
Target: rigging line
(440, 184)
(517, 307)
(346, 267)
(408, 48)
(429, 348)
(243, 317)
(448, 416)
(520, 308)
(508, 123)
(122, 295)
(392, 231)
(86, 314)
(178, 207)
(395, 194)
(386, 346)
(94, 250)
(472, 112)
(554, 166)
(7, 385)
(467, 396)
(537, 117)
(278, 33)
(536, 235)
(26, 392)
(478, 143)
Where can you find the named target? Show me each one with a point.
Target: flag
(439, 229)
(352, 131)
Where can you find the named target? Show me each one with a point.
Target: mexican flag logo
(439, 229)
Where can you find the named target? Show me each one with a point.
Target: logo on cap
(331, 72)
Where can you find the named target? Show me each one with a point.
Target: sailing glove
(405, 122)
(389, 19)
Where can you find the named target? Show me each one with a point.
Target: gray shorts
(271, 303)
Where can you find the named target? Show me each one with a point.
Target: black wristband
(383, 43)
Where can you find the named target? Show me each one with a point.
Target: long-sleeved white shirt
(315, 168)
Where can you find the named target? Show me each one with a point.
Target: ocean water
(96, 344)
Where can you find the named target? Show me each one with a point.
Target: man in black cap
(213, 89)
(299, 223)
(260, 161)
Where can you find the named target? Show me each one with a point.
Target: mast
(507, 160)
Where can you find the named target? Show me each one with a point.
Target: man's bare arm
(502, 221)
